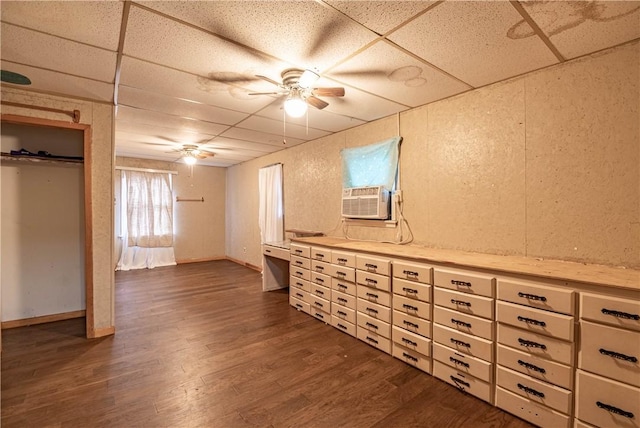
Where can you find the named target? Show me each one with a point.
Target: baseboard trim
(101, 332)
(206, 259)
(245, 264)
(43, 319)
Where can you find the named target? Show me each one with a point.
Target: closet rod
(162, 171)
(75, 114)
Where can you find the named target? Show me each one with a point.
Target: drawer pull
(344, 314)
(410, 273)
(319, 315)
(409, 342)
(299, 284)
(342, 286)
(531, 344)
(409, 307)
(461, 303)
(619, 314)
(375, 296)
(409, 290)
(319, 280)
(612, 409)
(339, 273)
(299, 273)
(341, 260)
(298, 262)
(342, 299)
(318, 304)
(371, 266)
(531, 367)
(319, 255)
(320, 269)
(460, 283)
(298, 251)
(530, 390)
(458, 362)
(267, 251)
(300, 295)
(618, 355)
(410, 324)
(532, 321)
(298, 305)
(341, 326)
(375, 311)
(410, 357)
(459, 382)
(370, 339)
(320, 292)
(460, 343)
(368, 324)
(531, 296)
(460, 323)
(371, 281)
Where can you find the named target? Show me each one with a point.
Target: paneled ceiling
(182, 71)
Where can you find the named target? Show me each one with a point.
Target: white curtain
(147, 220)
(271, 214)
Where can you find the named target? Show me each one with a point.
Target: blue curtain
(372, 165)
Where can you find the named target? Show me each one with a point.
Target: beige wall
(546, 165)
(199, 226)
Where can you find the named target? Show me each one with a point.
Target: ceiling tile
(380, 16)
(163, 120)
(287, 128)
(95, 23)
(363, 106)
(251, 146)
(318, 119)
(470, 40)
(392, 73)
(275, 140)
(578, 28)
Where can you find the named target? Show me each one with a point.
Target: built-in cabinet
(552, 352)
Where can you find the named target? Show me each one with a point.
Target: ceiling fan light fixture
(189, 159)
(295, 106)
(308, 78)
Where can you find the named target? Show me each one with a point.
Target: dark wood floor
(202, 345)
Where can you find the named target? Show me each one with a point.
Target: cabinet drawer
(341, 258)
(537, 296)
(320, 291)
(374, 339)
(277, 252)
(300, 273)
(374, 310)
(373, 295)
(557, 398)
(464, 343)
(464, 302)
(342, 272)
(536, 344)
(536, 320)
(343, 299)
(411, 341)
(343, 313)
(374, 325)
(418, 291)
(412, 307)
(463, 363)
(412, 357)
(540, 368)
(320, 278)
(610, 310)
(466, 323)
(462, 381)
(299, 283)
(413, 324)
(531, 411)
(343, 286)
(320, 314)
(300, 262)
(373, 280)
(319, 303)
(466, 282)
(321, 267)
(611, 352)
(606, 403)
(299, 304)
(300, 250)
(319, 253)
(416, 272)
(300, 295)
(343, 325)
(373, 264)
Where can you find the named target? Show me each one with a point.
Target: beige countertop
(553, 269)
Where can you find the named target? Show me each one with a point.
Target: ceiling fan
(297, 85)
(190, 153)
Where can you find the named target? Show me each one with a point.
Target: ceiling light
(189, 159)
(295, 106)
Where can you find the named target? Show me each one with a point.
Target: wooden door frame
(88, 214)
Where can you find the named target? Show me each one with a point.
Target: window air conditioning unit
(366, 202)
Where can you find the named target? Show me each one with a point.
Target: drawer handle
(459, 382)
(319, 280)
(320, 292)
(409, 307)
(460, 343)
(375, 311)
(339, 273)
(344, 314)
(319, 315)
(460, 323)
(318, 304)
(458, 362)
(370, 339)
(531, 344)
(368, 324)
(461, 302)
(298, 262)
(299, 305)
(532, 321)
(319, 255)
(299, 295)
(410, 273)
(375, 296)
(613, 409)
(300, 284)
(411, 357)
(320, 269)
(371, 266)
(618, 355)
(462, 283)
(299, 273)
(371, 281)
(342, 286)
(409, 342)
(341, 326)
(409, 290)
(268, 251)
(619, 314)
(532, 296)
(342, 299)
(531, 367)
(341, 260)
(531, 391)
(298, 251)
(410, 324)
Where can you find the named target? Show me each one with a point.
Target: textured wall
(545, 165)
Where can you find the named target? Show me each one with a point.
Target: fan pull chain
(284, 127)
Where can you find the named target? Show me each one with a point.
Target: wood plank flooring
(201, 345)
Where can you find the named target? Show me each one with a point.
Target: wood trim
(246, 264)
(43, 319)
(101, 332)
(37, 121)
(206, 259)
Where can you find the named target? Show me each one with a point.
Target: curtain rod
(273, 164)
(162, 171)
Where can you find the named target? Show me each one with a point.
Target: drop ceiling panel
(275, 140)
(470, 40)
(274, 126)
(53, 53)
(578, 28)
(381, 16)
(363, 106)
(401, 77)
(230, 143)
(95, 23)
(163, 120)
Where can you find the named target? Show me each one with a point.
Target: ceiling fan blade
(328, 92)
(268, 79)
(317, 102)
(227, 77)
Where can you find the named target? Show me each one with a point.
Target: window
(371, 165)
